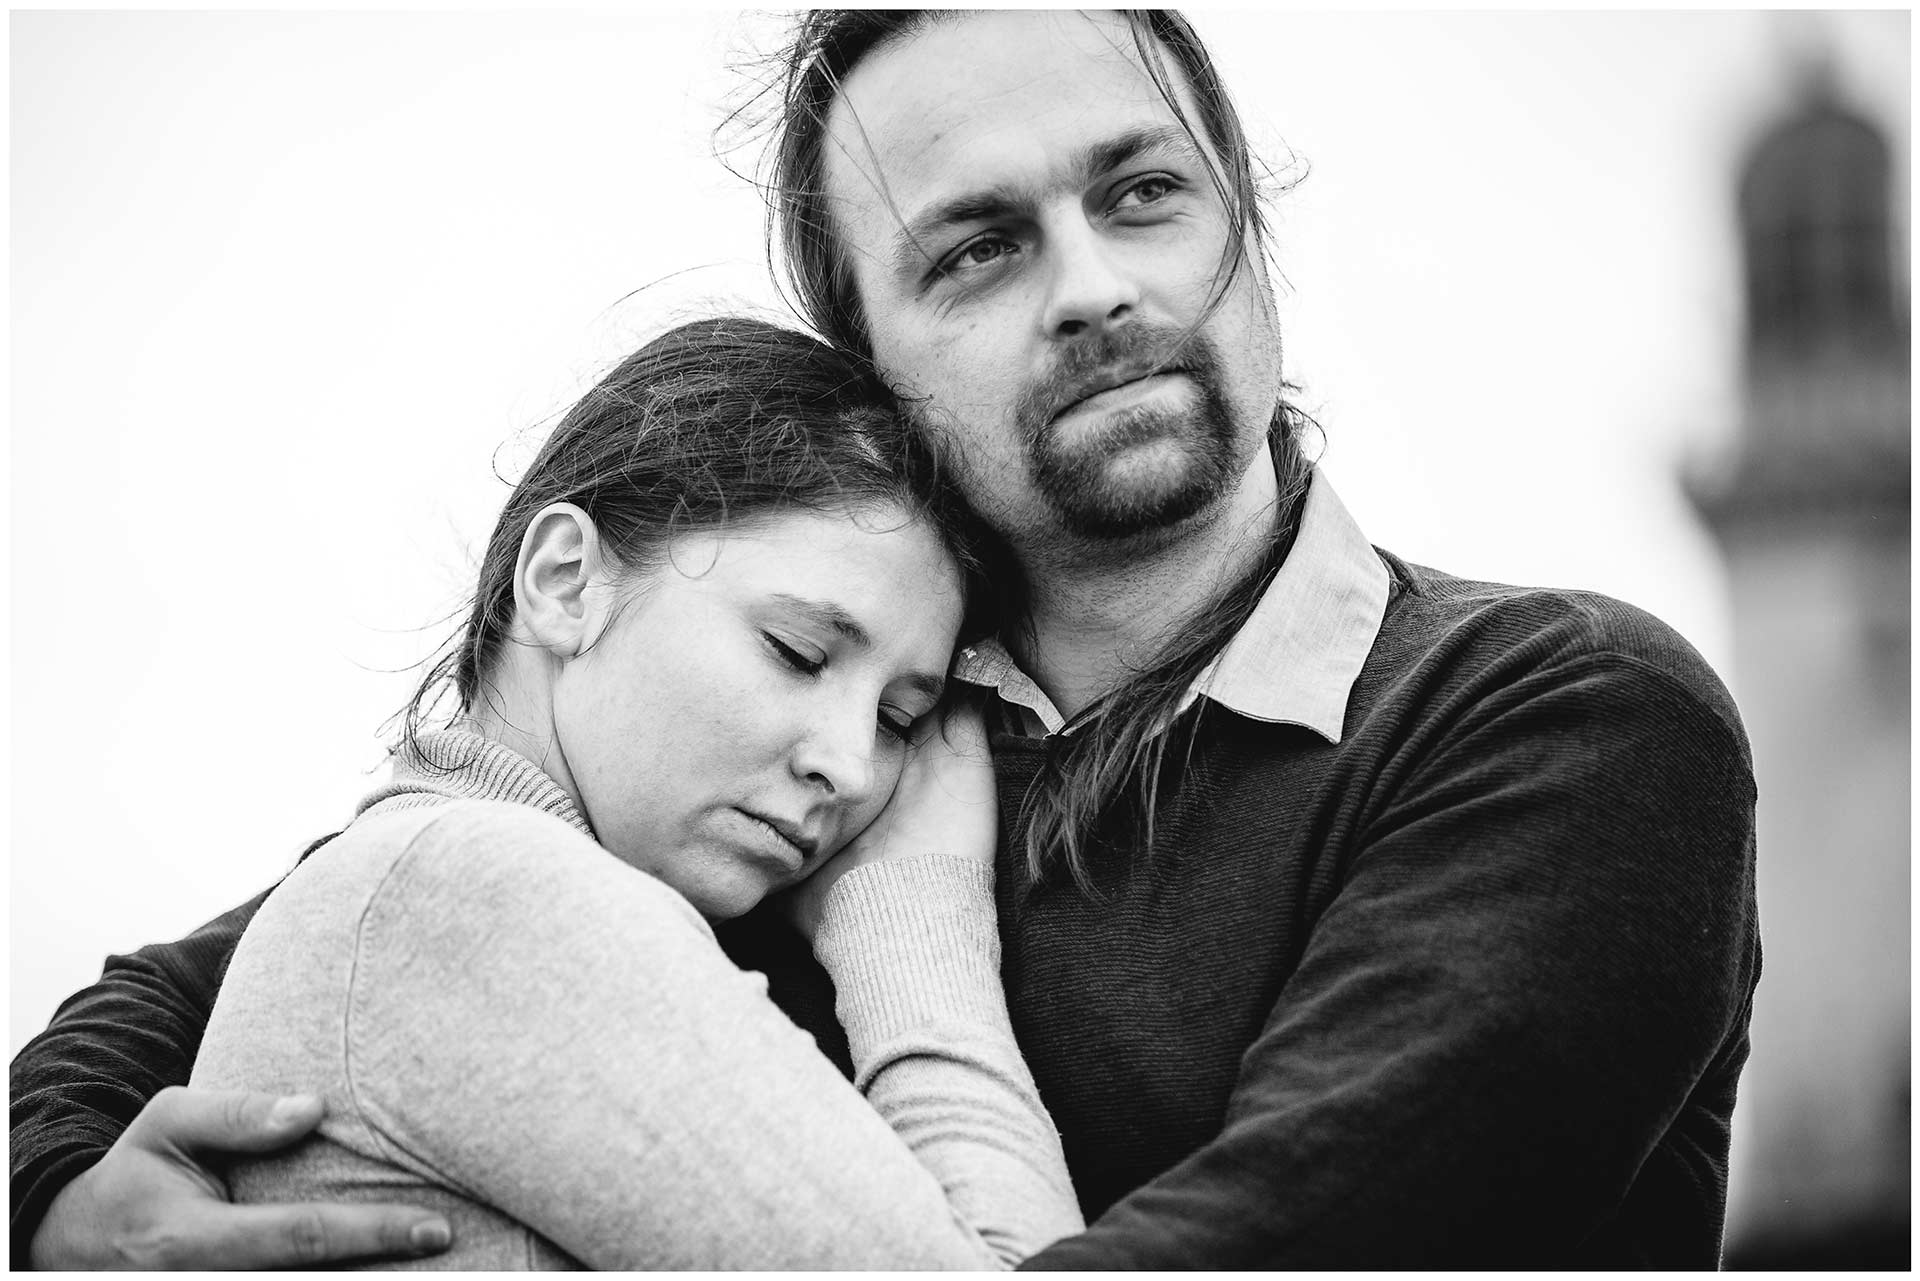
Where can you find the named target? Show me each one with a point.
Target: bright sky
(284, 284)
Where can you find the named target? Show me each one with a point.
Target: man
(1354, 914)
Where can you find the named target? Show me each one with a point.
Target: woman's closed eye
(800, 661)
(895, 722)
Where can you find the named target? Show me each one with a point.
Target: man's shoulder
(1455, 629)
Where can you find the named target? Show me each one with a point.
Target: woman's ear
(559, 558)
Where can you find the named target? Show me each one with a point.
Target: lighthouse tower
(1810, 508)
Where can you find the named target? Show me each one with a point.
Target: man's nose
(1090, 286)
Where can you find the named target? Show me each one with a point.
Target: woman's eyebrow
(934, 687)
(828, 615)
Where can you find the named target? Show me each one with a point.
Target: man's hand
(153, 1202)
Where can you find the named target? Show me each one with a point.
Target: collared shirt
(1295, 659)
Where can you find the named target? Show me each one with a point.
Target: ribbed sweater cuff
(913, 944)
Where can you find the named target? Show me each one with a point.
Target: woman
(707, 626)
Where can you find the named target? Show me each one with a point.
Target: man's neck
(1099, 612)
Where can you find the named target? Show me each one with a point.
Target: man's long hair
(1112, 764)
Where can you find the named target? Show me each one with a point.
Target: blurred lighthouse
(1810, 507)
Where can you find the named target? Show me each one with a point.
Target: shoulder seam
(362, 942)
(1734, 731)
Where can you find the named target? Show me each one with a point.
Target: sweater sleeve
(559, 1036)
(1542, 945)
(109, 1049)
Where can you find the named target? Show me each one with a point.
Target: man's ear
(559, 558)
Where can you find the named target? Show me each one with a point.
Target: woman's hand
(945, 804)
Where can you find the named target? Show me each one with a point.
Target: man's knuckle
(154, 1249)
(160, 1109)
(235, 1113)
(307, 1238)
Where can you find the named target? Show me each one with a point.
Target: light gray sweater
(512, 1027)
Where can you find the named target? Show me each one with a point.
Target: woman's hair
(1117, 751)
(711, 424)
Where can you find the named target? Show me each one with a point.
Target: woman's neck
(515, 710)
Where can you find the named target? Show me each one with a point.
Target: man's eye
(1147, 191)
(792, 657)
(896, 723)
(977, 253)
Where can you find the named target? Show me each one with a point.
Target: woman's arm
(558, 1036)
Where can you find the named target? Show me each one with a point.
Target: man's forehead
(990, 88)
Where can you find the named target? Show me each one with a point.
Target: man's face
(1034, 237)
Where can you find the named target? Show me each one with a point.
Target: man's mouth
(1113, 379)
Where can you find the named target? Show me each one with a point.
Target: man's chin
(1140, 492)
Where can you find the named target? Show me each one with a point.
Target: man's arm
(110, 1048)
(101, 1179)
(1544, 943)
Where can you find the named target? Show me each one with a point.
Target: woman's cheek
(889, 779)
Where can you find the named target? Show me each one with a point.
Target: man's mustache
(1113, 360)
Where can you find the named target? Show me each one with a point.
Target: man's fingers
(192, 1121)
(282, 1236)
(156, 1199)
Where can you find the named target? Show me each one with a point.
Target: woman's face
(744, 713)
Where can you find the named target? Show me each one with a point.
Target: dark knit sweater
(1469, 988)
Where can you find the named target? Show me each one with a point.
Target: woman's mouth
(783, 837)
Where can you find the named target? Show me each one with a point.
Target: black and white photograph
(887, 639)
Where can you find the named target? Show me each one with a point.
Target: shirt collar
(1297, 656)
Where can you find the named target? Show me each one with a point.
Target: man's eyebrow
(995, 203)
(909, 251)
(1117, 151)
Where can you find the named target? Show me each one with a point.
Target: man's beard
(1076, 479)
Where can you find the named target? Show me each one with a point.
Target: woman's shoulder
(484, 917)
(497, 869)
(399, 885)
(474, 831)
